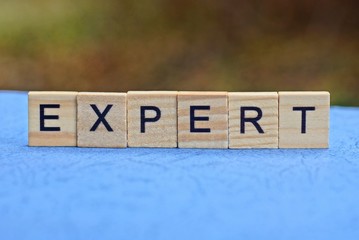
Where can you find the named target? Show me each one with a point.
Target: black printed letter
(101, 118)
(144, 119)
(43, 117)
(193, 118)
(254, 121)
(304, 116)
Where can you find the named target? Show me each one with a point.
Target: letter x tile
(101, 120)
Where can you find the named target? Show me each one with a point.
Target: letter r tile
(202, 120)
(253, 119)
(52, 118)
(304, 119)
(101, 120)
(152, 119)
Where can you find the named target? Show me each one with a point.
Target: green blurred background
(120, 45)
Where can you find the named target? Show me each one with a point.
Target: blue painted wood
(74, 193)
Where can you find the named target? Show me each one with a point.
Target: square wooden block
(101, 120)
(253, 119)
(152, 119)
(202, 120)
(52, 118)
(304, 119)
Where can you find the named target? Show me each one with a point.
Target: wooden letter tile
(253, 120)
(101, 120)
(202, 120)
(304, 119)
(52, 118)
(152, 119)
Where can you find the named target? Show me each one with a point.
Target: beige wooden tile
(101, 120)
(253, 119)
(202, 120)
(152, 119)
(52, 118)
(304, 119)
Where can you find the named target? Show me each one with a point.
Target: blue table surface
(76, 193)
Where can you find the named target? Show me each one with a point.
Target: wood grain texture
(317, 121)
(217, 123)
(112, 135)
(66, 122)
(162, 133)
(252, 138)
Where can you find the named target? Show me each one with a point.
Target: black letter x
(101, 118)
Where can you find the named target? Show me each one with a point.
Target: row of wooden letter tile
(180, 119)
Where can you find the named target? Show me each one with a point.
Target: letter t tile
(304, 119)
